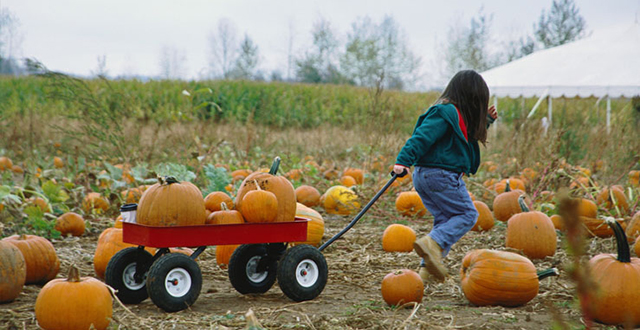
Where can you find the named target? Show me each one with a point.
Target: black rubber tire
(302, 273)
(188, 282)
(242, 269)
(128, 291)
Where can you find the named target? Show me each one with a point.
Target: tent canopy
(604, 65)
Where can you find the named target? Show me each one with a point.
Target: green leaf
(218, 178)
(178, 171)
(114, 172)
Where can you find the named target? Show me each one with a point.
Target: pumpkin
(587, 208)
(132, 195)
(315, 226)
(613, 198)
(171, 203)
(13, 272)
(409, 203)
(529, 174)
(402, 287)
(223, 254)
(278, 185)
(118, 222)
(499, 278)
(485, 217)
(532, 232)
(240, 174)
(213, 201)
(58, 162)
(307, 195)
(70, 223)
(5, 163)
(259, 206)
(74, 303)
(506, 204)
(93, 201)
(514, 184)
(597, 227)
(294, 174)
(347, 181)
(558, 222)
(340, 200)
(618, 283)
(17, 169)
(633, 229)
(224, 216)
(39, 255)
(636, 247)
(398, 238)
(580, 183)
(39, 203)
(634, 178)
(356, 173)
(109, 243)
(330, 174)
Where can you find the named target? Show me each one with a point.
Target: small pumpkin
(634, 178)
(485, 217)
(214, 199)
(633, 229)
(532, 232)
(223, 254)
(613, 199)
(402, 287)
(131, 195)
(94, 202)
(514, 184)
(330, 174)
(294, 175)
(171, 203)
(348, 181)
(39, 203)
(70, 223)
(307, 195)
(74, 303)
(58, 162)
(17, 169)
(499, 278)
(259, 206)
(109, 243)
(340, 200)
(315, 226)
(506, 204)
(278, 185)
(224, 216)
(409, 203)
(356, 173)
(5, 163)
(13, 272)
(558, 222)
(597, 227)
(39, 255)
(618, 282)
(398, 238)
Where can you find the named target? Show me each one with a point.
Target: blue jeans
(445, 195)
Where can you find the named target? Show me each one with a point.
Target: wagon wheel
(302, 273)
(121, 271)
(174, 282)
(251, 270)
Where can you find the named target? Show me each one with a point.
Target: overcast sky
(70, 35)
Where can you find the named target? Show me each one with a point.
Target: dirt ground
(351, 298)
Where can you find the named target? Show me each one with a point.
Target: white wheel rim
(128, 280)
(251, 270)
(307, 273)
(178, 282)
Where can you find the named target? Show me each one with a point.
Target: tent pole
(550, 111)
(608, 114)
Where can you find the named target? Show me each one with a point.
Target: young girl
(442, 148)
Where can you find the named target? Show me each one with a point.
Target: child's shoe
(424, 273)
(431, 253)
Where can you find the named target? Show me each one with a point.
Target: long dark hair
(470, 94)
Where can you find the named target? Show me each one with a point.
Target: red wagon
(173, 280)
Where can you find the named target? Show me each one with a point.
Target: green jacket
(438, 141)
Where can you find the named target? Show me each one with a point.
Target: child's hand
(399, 169)
(493, 113)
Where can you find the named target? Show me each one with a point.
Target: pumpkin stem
(74, 274)
(274, 166)
(523, 205)
(507, 188)
(548, 272)
(23, 237)
(170, 179)
(223, 206)
(624, 255)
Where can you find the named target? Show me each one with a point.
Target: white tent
(605, 65)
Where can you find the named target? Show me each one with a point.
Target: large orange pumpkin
(109, 243)
(315, 226)
(532, 232)
(618, 283)
(409, 203)
(402, 287)
(13, 272)
(74, 303)
(171, 203)
(490, 278)
(398, 238)
(485, 217)
(39, 255)
(278, 185)
(308, 195)
(506, 204)
(70, 223)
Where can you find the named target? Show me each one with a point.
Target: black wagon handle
(364, 210)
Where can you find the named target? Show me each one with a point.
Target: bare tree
(172, 63)
(318, 64)
(467, 48)
(101, 67)
(247, 60)
(10, 42)
(223, 47)
(561, 25)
